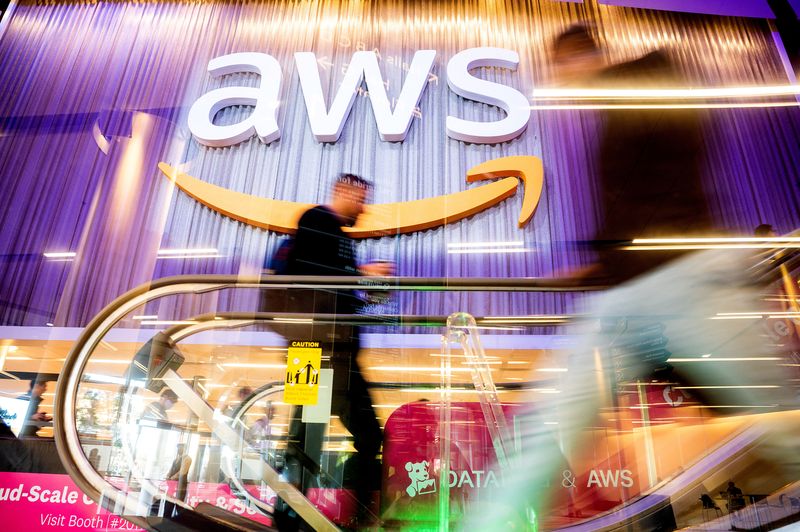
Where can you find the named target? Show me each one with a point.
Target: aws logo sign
(327, 122)
(393, 125)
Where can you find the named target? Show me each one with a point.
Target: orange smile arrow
(384, 218)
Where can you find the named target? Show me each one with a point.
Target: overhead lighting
(252, 365)
(516, 243)
(49, 324)
(738, 317)
(528, 317)
(553, 370)
(60, 254)
(733, 406)
(754, 315)
(89, 377)
(727, 387)
(756, 312)
(724, 359)
(146, 317)
(485, 250)
(293, 320)
(579, 106)
(187, 253)
(420, 368)
(492, 357)
(674, 93)
(551, 422)
(437, 391)
(516, 246)
(274, 349)
(525, 319)
(657, 244)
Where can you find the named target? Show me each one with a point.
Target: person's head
(764, 230)
(181, 448)
(94, 452)
(244, 392)
(731, 484)
(576, 55)
(168, 399)
(350, 193)
(38, 387)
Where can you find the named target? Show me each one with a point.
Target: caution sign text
(302, 373)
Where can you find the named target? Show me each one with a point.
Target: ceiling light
(724, 359)
(186, 251)
(419, 368)
(252, 365)
(486, 250)
(673, 93)
(517, 243)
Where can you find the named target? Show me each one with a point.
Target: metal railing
(65, 429)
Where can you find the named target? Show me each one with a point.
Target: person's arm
(186, 464)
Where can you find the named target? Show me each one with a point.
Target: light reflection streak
(665, 93)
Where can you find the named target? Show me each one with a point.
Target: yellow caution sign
(302, 373)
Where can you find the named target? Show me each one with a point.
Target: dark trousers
(350, 401)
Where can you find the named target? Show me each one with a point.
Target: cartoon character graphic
(421, 483)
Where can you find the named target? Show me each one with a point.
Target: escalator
(454, 395)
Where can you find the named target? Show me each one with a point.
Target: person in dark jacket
(649, 178)
(322, 247)
(649, 186)
(38, 387)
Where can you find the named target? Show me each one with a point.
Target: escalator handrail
(660, 494)
(65, 431)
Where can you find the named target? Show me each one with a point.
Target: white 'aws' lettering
(327, 122)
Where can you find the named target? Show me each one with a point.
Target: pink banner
(33, 501)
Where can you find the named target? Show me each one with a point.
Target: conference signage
(393, 125)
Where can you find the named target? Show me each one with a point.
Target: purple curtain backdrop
(95, 95)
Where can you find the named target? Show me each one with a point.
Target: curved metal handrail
(65, 430)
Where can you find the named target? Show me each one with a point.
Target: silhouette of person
(735, 497)
(157, 410)
(179, 470)
(321, 247)
(38, 387)
(649, 185)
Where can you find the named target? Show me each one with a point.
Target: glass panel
(175, 404)
(194, 408)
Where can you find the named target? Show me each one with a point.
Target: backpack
(278, 264)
